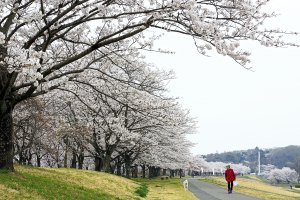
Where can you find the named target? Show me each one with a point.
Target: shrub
(297, 186)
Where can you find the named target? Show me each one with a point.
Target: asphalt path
(208, 191)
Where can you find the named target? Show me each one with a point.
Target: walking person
(230, 177)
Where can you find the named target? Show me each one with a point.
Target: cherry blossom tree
(46, 43)
(284, 174)
(289, 174)
(276, 175)
(266, 169)
(200, 163)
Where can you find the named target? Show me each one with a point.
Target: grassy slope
(64, 183)
(258, 183)
(47, 183)
(167, 189)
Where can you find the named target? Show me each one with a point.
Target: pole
(258, 162)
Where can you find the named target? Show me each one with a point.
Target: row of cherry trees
(113, 121)
(200, 164)
(81, 58)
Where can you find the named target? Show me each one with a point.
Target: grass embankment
(256, 183)
(64, 183)
(166, 189)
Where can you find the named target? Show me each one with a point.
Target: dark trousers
(230, 185)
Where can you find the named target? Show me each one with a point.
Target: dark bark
(106, 164)
(171, 173)
(119, 165)
(29, 158)
(144, 171)
(155, 174)
(73, 161)
(135, 171)
(132, 172)
(164, 172)
(123, 173)
(158, 171)
(112, 168)
(151, 169)
(127, 165)
(66, 140)
(98, 164)
(80, 160)
(38, 160)
(6, 140)
(22, 159)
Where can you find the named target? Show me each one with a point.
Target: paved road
(207, 191)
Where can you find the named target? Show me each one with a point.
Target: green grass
(166, 189)
(142, 190)
(46, 183)
(4, 171)
(64, 183)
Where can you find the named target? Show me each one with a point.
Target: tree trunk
(24, 157)
(29, 161)
(123, 170)
(150, 169)
(6, 140)
(98, 164)
(132, 172)
(119, 165)
(112, 167)
(135, 171)
(73, 162)
(144, 170)
(66, 152)
(155, 171)
(21, 158)
(164, 172)
(38, 160)
(106, 164)
(127, 165)
(158, 171)
(80, 160)
(171, 173)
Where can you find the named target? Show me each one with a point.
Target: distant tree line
(279, 157)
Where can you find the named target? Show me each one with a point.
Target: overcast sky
(238, 109)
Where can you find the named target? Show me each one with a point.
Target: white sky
(239, 109)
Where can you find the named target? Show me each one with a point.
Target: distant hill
(280, 157)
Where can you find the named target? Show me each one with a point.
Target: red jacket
(229, 175)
